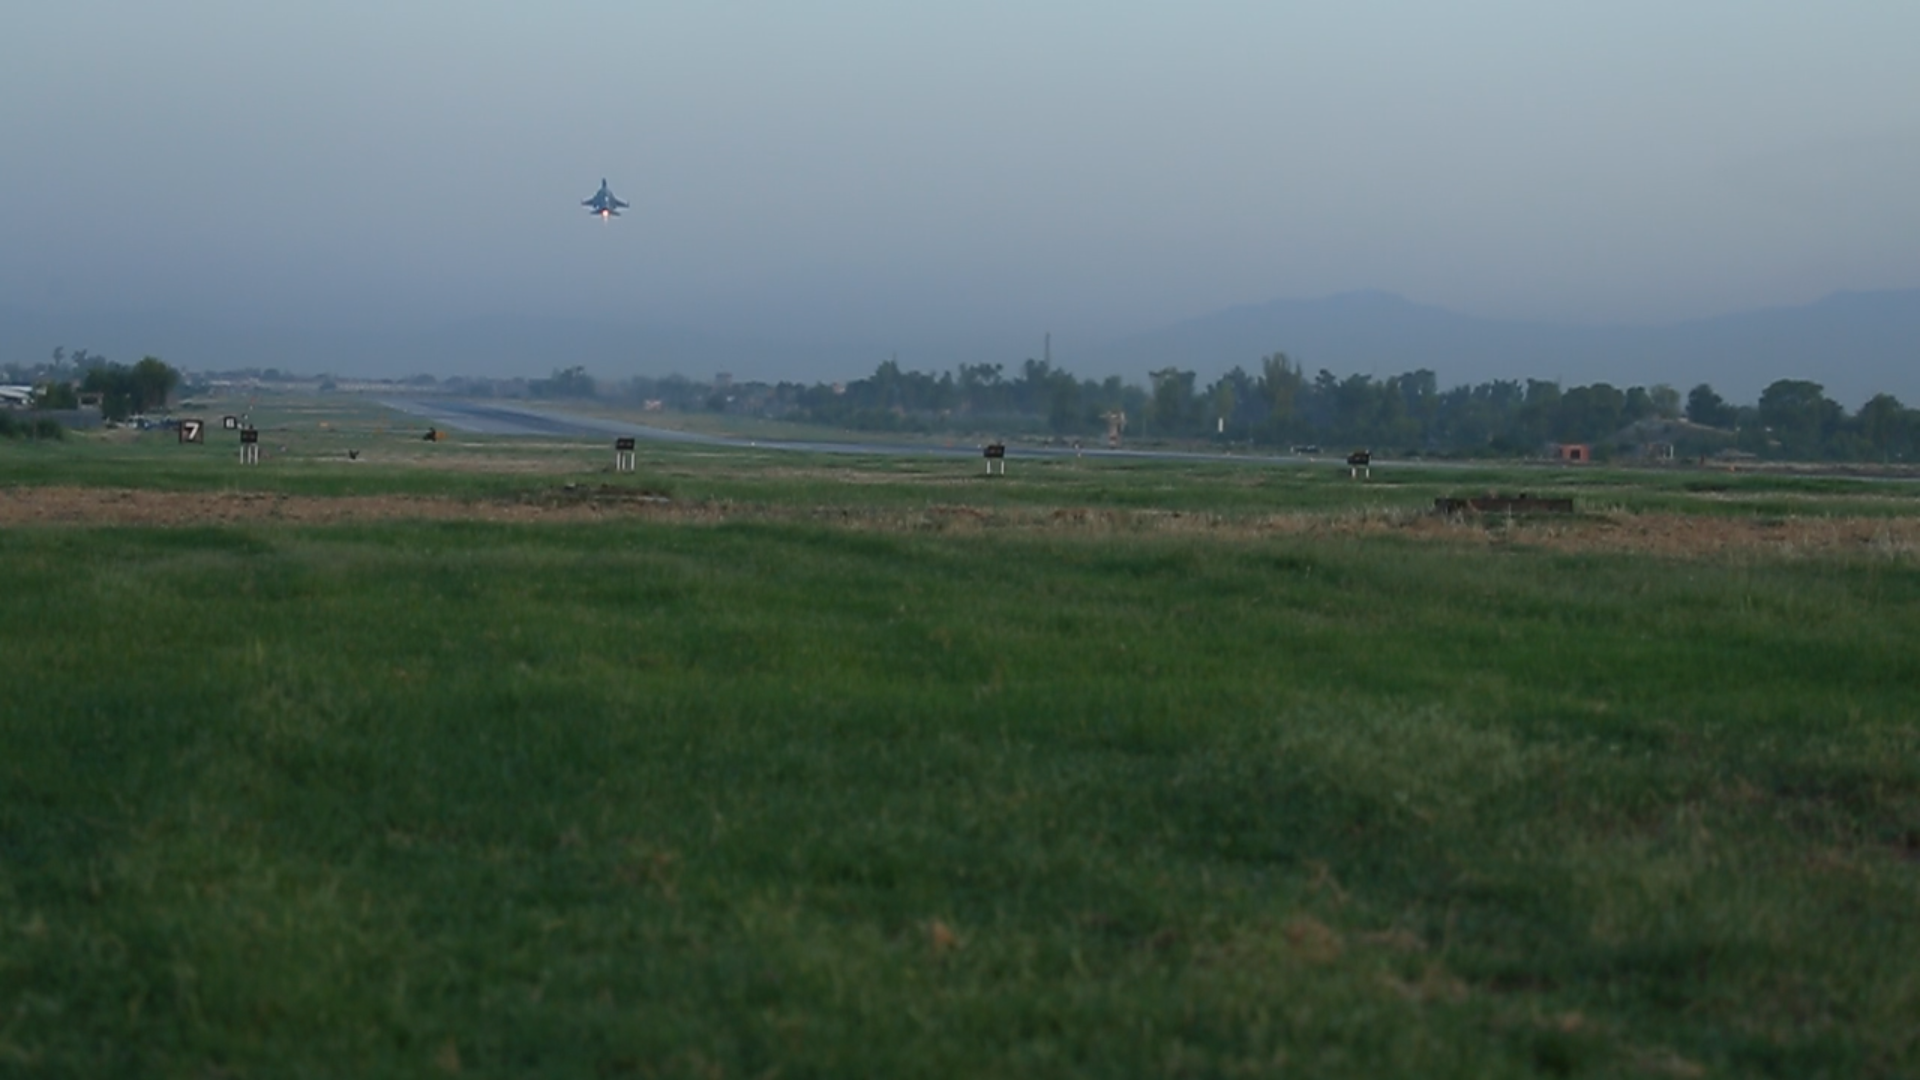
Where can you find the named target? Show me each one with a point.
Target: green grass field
(876, 767)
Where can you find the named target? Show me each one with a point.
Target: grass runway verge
(894, 777)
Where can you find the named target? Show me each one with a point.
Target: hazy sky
(840, 167)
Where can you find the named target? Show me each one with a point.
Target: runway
(502, 418)
(497, 418)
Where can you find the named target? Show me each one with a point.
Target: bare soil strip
(1670, 535)
(132, 506)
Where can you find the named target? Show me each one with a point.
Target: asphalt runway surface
(496, 418)
(487, 418)
(500, 418)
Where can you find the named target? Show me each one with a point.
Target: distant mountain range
(1855, 344)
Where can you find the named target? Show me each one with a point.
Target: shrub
(39, 427)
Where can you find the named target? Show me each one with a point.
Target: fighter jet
(604, 202)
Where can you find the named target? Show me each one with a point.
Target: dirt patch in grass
(1670, 535)
(131, 506)
(1684, 535)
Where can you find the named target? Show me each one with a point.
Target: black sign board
(248, 435)
(231, 423)
(623, 444)
(192, 431)
(996, 450)
(1359, 458)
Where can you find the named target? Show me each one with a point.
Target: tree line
(1281, 405)
(1277, 405)
(124, 390)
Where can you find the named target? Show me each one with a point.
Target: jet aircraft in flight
(604, 202)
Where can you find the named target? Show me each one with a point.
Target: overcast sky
(842, 167)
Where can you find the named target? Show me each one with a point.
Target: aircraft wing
(617, 202)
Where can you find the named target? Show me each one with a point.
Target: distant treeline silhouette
(123, 390)
(1280, 405)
